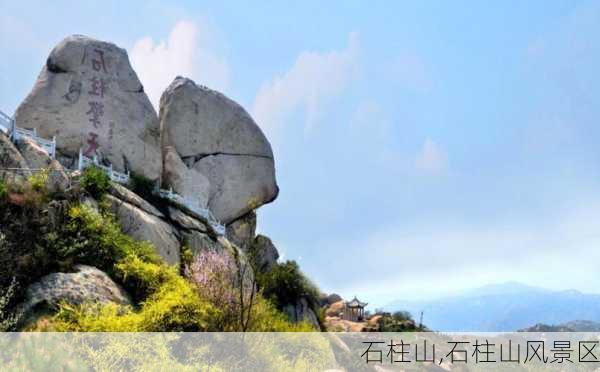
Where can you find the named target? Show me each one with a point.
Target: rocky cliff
(203, 146)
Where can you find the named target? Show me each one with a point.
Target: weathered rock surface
(189, 183)
(335, 309)
(200, 121)
(88, 95)
(10, 157)
(301, 311)
(241, 232)
(238, 184)
(58, 179)
(185, 221)
(38, 158)
(216, 137)
(199, 242)
(264, 253)
(87, 284)
(130, 197)
(144, 226)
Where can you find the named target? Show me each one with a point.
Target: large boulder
(89, 97)
(144, 226)
(264, 253)
(87, 284)
(241, 232)
(215, 137)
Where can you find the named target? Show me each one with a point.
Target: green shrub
(37, 181)
(163, 299)
(32, 193)
(173, 304)
(174, 307)
(401, 316)
(94, 238)
(23, 223)
(399, 321)
(285, 284)
(167, 301)
(142, 277)
(8, 318)
(142, 186)
(266, 318)
(95, 182)
(3, 190)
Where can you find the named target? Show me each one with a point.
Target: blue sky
(421, 147)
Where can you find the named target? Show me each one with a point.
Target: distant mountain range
(573, 326)
(503, 307)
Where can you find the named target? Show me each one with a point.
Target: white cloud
(189, 51)
(411, 71)
(370, 116)
(314, 79)
(431, 158)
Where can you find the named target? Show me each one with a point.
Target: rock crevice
(198, 157)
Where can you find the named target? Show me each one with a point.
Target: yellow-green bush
(95, 182)
(167, 301)
(94, 238)
(174, 307)
(266, 318)
(163, 299)
(38, 180)
(3, 190)
(285, 284)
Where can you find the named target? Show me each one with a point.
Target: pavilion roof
(356, 303)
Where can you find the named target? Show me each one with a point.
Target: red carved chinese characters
(93, 144)
(95, 112)
(98, 87)
(98, 63)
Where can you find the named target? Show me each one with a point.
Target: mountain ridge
(506, 306)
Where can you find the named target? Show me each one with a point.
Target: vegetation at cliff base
(44, 236)
(285, 283)
(95, 181)
(167, 301)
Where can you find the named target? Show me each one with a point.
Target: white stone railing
(115, 176)
(7, 125)
(49, 146)
(194, 207)
(124, 178)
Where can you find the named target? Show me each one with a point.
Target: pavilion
(354, 310)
